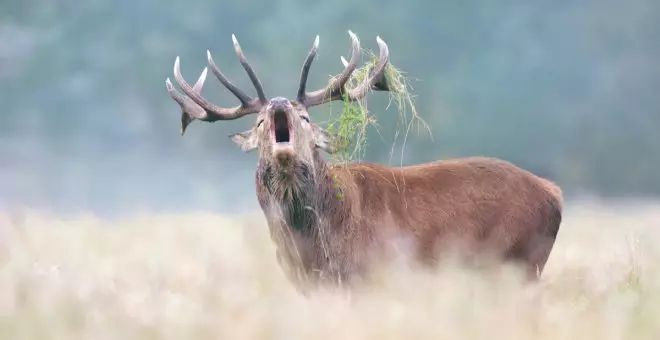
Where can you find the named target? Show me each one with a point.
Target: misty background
(569, 90)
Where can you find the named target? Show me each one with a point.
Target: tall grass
(203, 276)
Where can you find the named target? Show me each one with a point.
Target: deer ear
(246, 140)
(324, 140)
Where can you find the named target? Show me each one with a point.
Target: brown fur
(479, 205)
(330, 221)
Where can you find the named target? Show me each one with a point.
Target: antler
(336, 89)
(194, 106)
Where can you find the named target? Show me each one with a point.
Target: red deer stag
(482, 205)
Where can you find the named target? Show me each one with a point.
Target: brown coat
(333, 228)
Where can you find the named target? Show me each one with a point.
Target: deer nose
(280, 103)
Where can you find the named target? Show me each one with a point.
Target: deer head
(283, 133)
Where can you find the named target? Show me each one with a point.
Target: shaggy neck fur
(301, 192)
(307, 218)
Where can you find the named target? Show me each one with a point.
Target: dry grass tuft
(202, 276)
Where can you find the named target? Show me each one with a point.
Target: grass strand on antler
(351, 124)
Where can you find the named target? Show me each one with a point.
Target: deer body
(332, 231)
(329, 222)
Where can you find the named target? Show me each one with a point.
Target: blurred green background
(567, 89)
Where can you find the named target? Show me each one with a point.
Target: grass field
(203, 276)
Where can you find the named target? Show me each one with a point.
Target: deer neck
(301, 197)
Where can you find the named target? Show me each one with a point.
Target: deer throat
(290, 194)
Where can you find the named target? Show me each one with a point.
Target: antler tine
(242, 96)
(189, 109)
(335, 90)
(305, 69)
(249, 70)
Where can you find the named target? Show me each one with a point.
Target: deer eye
(305, 118)
(259, 123)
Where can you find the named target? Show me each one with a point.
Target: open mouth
(281, 128)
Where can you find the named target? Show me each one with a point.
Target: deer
(474, 205)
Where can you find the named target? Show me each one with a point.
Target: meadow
(202, 276)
